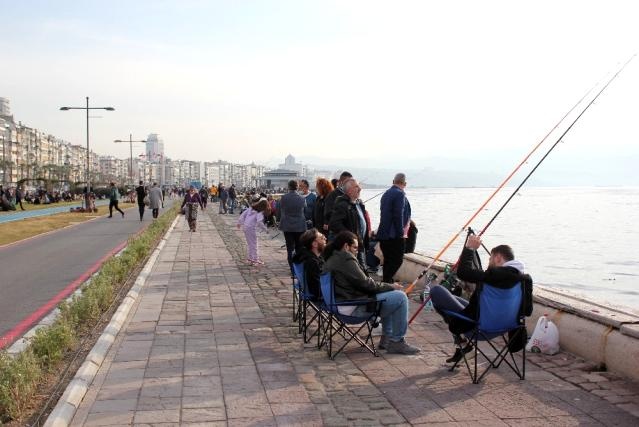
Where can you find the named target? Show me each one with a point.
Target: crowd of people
(14, 197)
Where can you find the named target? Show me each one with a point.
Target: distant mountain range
(613, 169)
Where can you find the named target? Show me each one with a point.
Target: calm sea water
(582, 240)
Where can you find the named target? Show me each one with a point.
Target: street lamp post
(131, 141)
(87, 108)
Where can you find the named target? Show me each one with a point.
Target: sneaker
(401, 347)
(459, 353)
(383, 342)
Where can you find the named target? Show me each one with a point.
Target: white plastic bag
(545, 337)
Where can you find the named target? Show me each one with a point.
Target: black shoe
(459, 353)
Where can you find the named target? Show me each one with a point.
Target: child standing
(252, 221)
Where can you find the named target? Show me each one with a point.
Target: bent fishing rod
(503, 183)
(553, 147)
(524, 180)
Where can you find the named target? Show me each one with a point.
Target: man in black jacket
(329, 202)
(349, 214)
(504, 272)
(312, 243)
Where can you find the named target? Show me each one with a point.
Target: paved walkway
(211, 342)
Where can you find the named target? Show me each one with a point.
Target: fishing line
(503, 183)
(523, 182)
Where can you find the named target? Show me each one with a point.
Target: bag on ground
(545, 337)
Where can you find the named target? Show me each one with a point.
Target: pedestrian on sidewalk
(114, 198)
(252, 221)
(292, 222)
(141, 194)
(191, 201)
(155, 199)
(224, 195)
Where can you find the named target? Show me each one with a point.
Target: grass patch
(20, 376)
(18, 230)
(32, 207)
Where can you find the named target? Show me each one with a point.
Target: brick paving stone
(211, 342)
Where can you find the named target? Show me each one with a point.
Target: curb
(65, 410)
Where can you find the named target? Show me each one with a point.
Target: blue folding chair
(358, 328)
(309, 308)
(500, 317)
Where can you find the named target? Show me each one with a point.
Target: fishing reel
(451, 282)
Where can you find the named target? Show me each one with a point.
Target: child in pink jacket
(252, 221)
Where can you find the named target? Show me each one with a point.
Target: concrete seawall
(607, 336)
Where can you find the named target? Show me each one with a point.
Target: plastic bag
(545, 337)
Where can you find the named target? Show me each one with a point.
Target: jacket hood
(515, 264)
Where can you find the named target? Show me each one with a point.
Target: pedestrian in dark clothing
(292, 222)
(19, 197)
(393, 226)
(329, 201)
(204, 195)
(232, 198)
(224, 196)
(114, 198)
(349, 214)
(141, 194)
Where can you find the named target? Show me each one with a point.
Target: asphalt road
(34, 271)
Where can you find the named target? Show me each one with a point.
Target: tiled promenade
(211, 342)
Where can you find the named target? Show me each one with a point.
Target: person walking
(190, 202)
(232, 198)
(204, 195)
(224, 195)
(393, 226)
(19, 197)
(292, 221)
(114, 198)
(155, 200)
(252, 221)
(141, 194)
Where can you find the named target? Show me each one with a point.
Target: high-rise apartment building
(154, 148)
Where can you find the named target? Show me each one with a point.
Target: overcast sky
(386, 83)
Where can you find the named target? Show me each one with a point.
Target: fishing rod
(375, 196)
(553, 146)
(503, 183)
(525, 179)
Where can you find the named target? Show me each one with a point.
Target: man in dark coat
(393, 226)
(292, 221)
(232, 198)
(329, 201)
(141, 194)
(350, 214)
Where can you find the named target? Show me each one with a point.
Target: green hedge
(20, 375)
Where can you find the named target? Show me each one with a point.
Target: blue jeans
(394, 314)
(443, 300)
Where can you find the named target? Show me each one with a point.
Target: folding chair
(309, 309)
(297, 288)
(358, 328)
(499, 312)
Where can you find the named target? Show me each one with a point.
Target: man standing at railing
(393, 226)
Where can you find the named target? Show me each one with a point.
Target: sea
(584, 241)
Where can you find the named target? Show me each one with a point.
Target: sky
(463, 85)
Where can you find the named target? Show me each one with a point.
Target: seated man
(352, 283)
(504, 272)
(312, 243)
